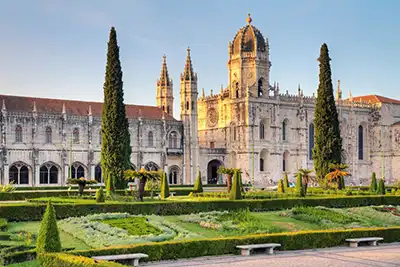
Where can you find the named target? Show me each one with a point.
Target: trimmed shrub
(381, 187)
(236, 193)
(164, 186)
(299, 185)
(281, 187)
(100, 196)
(3, 225)
(285, 180)
(67, 260)
(198, 186)
(49, 237)
(373, 186)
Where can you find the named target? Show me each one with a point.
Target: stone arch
(263, 129)
(174, 139)
(98, 173)
(212, 167)
(150, 139)
(174, 174)
(362, 141)
(151, 166)
(260, 87)
(49, 173)
(263, 166)
(78, 170)
(18, 134)
(20, 173)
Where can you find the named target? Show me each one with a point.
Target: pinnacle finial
(34, 107)
(4, 105)
(90, 110)
(248, 19)
(63, 109)
(164, 58)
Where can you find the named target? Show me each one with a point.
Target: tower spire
(164, 76)
(165, 98)
(188, 73)
(339, 91)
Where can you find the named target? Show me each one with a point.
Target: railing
(174, 151)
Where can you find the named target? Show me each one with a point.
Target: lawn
(26, 264)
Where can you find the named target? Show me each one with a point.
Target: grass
(67, 240)
(34, 263)
(137, 226)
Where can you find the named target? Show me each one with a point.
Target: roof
(248, 39)
(77, 108)
(375, 99)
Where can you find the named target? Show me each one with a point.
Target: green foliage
(320, 215)
(6, 188)
(134, 225)
(164, 187)
(100, 196)
(328, 143)
(342, 182)
(373, 186)
(198, 186)
(285, 180)
(115, 145)
(236, 193)
(299, 185)
(381, 187)
(81, 180)
(67, 260)
(49, 238)
(281, 187)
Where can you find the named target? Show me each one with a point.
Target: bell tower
(165, 97)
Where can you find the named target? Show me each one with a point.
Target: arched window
(77, 171)
(173, 175)
(151, 166)
(18, 134)
(173, 140)
(150, 139)
(237, 90)
(187, 105)
(75, 136)
(310, 140)
(262, 131)
(260, 90)
(261, 164)
(49, 135)
(284, 124)
(48, 174)
(19, 174)
(97, 174)
(285, 161)
(360, 143)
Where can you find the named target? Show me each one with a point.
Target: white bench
(246, 249)
(133, 258)
(372, 241)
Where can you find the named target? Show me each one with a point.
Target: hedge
(227, 245)
(34, 211)
(67, 260)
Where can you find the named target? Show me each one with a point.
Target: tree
(337, 174)
(299, 185)
(164, 187)
(285, 180)
(373, 186)
(143, 177)
(198, 186)
(229, 172)
(49, 238)
(328, 143)
(236, 193)
(281, 186)
(115, 145)
(381, 187)
(306, 178)
(100, 197)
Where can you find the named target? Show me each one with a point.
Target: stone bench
(246, 249)
(372, 241)
(171, 194)
(132, 258)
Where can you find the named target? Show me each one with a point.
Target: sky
(57, 49)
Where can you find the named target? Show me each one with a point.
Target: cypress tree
(49, 238)
(164, 186)
(115, 145)
(373, 186)
(281, 186)
(328, 143)
(299, 185)
(381, 187)
(285, 180)
(236, 193)
(198, 186)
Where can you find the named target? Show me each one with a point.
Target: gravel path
(382, 256)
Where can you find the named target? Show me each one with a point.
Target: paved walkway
(382, 256)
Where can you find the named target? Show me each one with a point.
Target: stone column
(92, 171)
(36, 180)
(6, 174)
(66, 174)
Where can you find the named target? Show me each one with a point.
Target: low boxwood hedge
(34, 211)
(67, 260)
(227, 245)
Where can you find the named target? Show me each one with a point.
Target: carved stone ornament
(397, 136)
(212, 117)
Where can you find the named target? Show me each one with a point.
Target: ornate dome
(248, 39)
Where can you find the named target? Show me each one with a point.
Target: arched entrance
(212, 168)
(174, 172)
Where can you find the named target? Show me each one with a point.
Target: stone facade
(249, 124)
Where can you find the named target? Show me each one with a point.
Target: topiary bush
(373, 186)
(299, 185)
(236, 193)
(381, 187)
(281, 187)
(198, 186)
(285, 180)
(164, 186)
(49, 237)
(100, 196)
